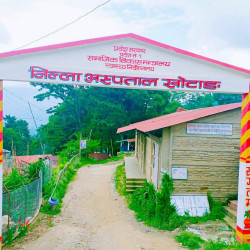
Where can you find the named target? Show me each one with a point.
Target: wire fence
(23, 204)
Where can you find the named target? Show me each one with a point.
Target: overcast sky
(217, 29)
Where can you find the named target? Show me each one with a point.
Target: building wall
(212, 161)
(145, 154)
(140, 152)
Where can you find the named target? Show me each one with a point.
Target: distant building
(24, 161)
(8, 162)
(127, 145)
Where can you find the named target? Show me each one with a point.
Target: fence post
(8, 207)
(25, 202)
(40, 184)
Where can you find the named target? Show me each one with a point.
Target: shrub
(33, 169)
(66, 177)
(154, 208)
(217, 245)
(15, 180)
(143, 202)
(190, 240)
(71, 148)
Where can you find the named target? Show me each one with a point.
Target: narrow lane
(94, 216)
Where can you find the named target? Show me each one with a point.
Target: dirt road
(94, 216)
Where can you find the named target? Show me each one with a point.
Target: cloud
(4, 34)
(213, 28)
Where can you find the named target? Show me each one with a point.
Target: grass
(190, 240)
(120, 180)
(154, 207)
(120, 183)
(66, 177)
(193, 241)
(114, 158)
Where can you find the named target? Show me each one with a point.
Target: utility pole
(80, 149)
(36, 129)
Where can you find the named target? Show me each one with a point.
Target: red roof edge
(177, 118)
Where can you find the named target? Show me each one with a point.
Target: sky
(218, 29)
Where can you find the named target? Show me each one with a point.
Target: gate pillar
(243, 224)
(1, 159)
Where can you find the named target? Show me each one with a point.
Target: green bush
(154, 208)
(217, 245)
(143, 202)
(18, 178)
(66, 177)
(71, 148)
(190, 240)
(33, 169)
(15, 180)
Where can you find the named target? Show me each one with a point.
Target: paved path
(95, 217)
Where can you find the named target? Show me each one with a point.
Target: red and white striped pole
(243, 222)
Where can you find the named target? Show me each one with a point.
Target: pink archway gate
(134, 62)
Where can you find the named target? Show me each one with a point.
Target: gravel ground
(94, 216)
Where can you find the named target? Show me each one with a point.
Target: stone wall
(212, 161)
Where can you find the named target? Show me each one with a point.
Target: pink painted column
(243, 226)
(1, 159)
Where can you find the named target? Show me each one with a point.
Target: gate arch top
(123, 61)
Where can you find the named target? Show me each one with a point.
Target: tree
(97, 112)
(16, 135)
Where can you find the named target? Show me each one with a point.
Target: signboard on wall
(210, 129)
(179, 173)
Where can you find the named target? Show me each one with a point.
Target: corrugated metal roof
(30, 158)
(177, 118)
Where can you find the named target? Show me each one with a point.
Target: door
(156, 164)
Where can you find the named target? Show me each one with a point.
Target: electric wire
(63, 27)
(19, 97)
(42, 148)
(24, 118)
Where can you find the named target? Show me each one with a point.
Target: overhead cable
(66, 25)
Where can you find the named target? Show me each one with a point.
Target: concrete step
(231, 223)
(131, 190)
(133, 186)
(231, 213)
(233, 205)
(135, 179)
(135, 183)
